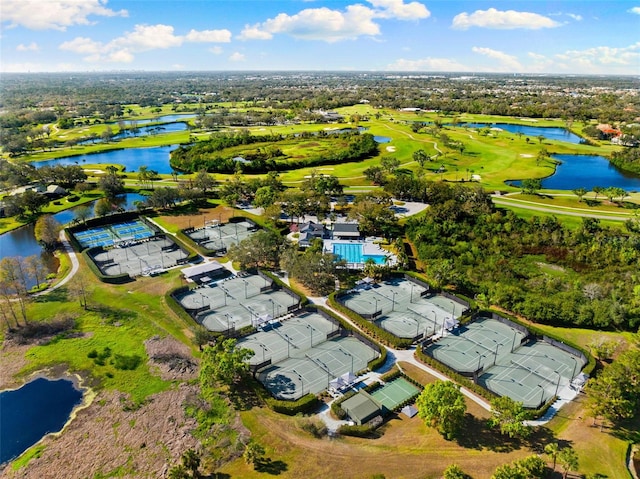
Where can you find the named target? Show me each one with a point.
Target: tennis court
(110, 235)
(218, 237)
(141, 257)
(311, 369)
(404, 308)
(479, 344)
(394, 393)
(532, 372)
(237, 302)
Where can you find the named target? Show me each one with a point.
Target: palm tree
(178, 472)
(552, 449)
(568, 459)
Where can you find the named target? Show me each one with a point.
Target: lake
(159, 119)
(587, 171)
(143, 131)
(22, 241)
(36, 409)
(155, 158)
(549, 133)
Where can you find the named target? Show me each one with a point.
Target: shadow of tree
(478, 435)
(244, 395)
(59, 295)
(112, 315)
(268, 466)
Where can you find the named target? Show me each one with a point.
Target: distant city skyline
(557, 37)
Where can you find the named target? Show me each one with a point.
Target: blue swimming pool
(352, 253)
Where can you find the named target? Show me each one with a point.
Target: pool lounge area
(356, 252)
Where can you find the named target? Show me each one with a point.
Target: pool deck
(369, 248)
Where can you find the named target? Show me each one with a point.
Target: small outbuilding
(204, 272)
(346, 231)
(362, 408)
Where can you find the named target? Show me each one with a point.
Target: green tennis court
(395, 392)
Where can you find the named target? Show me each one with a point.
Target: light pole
(480, 356)
(245, 288)
(375, 298)
(311, 332)
(273, 308)
(393, 300)
(541, 395)
(558, 385)
(301, 380)
(228, 316)
(351, 356)
(263, 347)
(411, 297)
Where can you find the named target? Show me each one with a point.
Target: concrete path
(75, 265)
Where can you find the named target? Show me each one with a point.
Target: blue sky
(581, 37)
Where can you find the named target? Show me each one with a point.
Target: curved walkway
(75, 265)
(560, 210)
(408, 355)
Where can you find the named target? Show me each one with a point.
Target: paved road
(75, 265)
(565, 211)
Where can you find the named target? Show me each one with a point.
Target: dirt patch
(171, 359)
(12, 361)
(220, 213)
(105, 439)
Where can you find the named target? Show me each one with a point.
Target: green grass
(120, 320)
(572, 222)
(32, 453)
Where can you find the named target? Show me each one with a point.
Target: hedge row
(110, 279)
(303, 298)
(176, 307)
(459, 378)
(591, 361)
(374, 363)
(184, 243)
(357, 431)
(370, 327)
(305, 404)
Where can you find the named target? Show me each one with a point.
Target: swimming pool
(353, 253)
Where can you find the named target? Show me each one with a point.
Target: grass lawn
(120, 318)
(407, 449)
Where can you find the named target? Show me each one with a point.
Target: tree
(615, 393)
(47, 231)
(441, 405)
(111, 183)
(204, 181)
(375, 174)
(264, 197)
(191, 462)
(420, 157)
(103, 207)
(389, 163)
(531, 185)
(454, 472)
(178, 472)
(596, 191)
(508, 415)
(580, 192)
(82, 213)
(259, 249)
(253, 453)
(36, 268)
(603, 348)
(568, 459)
(552, 449)
(223, 363)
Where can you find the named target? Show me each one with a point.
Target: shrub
(305, 404)
(358, 431)
(125, 362)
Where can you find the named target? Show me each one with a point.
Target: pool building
(358, 252)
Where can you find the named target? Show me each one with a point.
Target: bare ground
(106, 436)
(220, 213)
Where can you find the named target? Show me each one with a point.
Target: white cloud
(209, 36)
(32, 47)
(54, 14)
(143, 38)
(81, 45)
(599, 57)
(22, 67)
(576, 17)
(330, 25)
(217, 50)
(399, 10)
(502, 20)
(635, 10)
(506, 62)
(318, 24)
(237, 57)
(427, 64)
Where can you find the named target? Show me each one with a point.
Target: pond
(158, 119)
(36, 409)
(549, 133)
(22, 241)
(142, 131)
(587, 171)
(154, 158)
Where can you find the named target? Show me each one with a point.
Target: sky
(517, 36)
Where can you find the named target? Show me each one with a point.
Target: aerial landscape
(319, 238)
